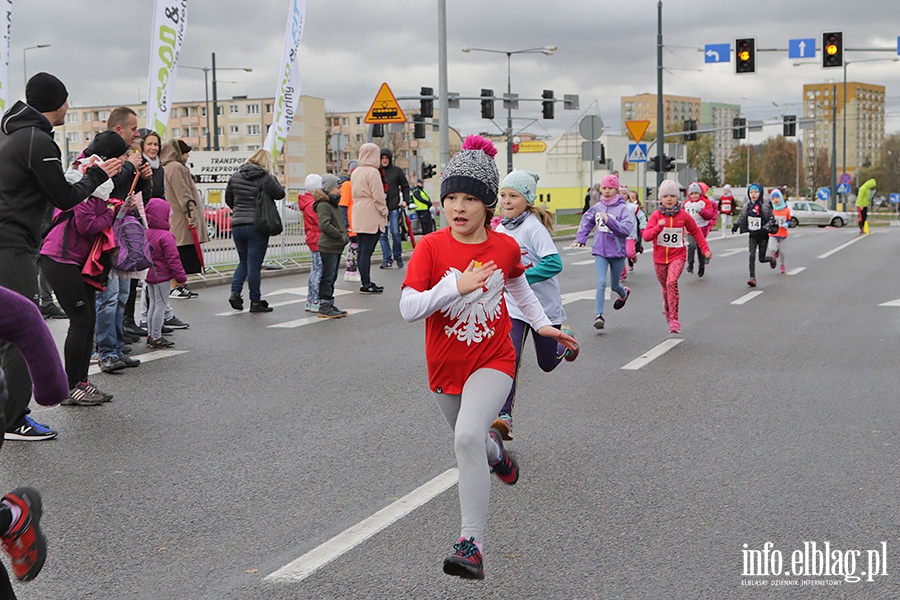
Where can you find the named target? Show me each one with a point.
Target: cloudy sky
(607, 49)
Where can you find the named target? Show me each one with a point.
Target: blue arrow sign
(823, 194)
(637, 153)
(843, 188)
(895, 198)
(717, 53)
(805, 48)
(898, 44)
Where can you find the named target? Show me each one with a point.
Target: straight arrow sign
(802, 48)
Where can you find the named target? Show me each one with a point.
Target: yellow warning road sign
(384, 108)
(637, 129)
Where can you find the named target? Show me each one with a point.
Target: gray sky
(100, 49)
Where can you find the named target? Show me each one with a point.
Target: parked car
(806, 212)
(218, 220)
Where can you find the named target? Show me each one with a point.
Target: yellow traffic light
(833, 49)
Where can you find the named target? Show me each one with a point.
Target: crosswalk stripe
(312, 319)
(144, 358)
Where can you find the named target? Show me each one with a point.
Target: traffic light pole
(660, 116)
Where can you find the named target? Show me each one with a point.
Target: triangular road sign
(384, 108)
(637, 129)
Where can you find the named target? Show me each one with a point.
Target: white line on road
(841, 247)
(585, 295)
(313, 319)
(295, 291)
(585, 262)
(318, 557)
(747, 297)
(145, 358)
(653, 354)
(891, 303)
(796, 271)
(729, 252)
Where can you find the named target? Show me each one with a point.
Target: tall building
(676, 109)
(716, 115)
(242, 124)
(862, 112)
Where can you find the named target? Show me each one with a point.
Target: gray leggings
(470, 415)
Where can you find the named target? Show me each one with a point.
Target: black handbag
(265, 215)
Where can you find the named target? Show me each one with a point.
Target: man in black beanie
(31, 184)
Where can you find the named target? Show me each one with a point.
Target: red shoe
(751, 282)
(466, 562)
(24, 542)
(506, 469)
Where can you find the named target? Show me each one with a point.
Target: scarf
(515, 221)
(670, 212)
(610, 201)
(153, 162)
(781, 206)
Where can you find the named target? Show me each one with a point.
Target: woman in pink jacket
(370, 213)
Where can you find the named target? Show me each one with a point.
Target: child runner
(697, 206)
(782, 214)
(531, 226)
(455, 281)
(633, 243)
(166, 266)
(665, 229)
(726, 207)
(757, 220)
(614, 222)
(305, 202)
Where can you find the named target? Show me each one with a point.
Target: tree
(736, 166)
(778, 161)
(887, 169)
(700, 157)
(821, 173)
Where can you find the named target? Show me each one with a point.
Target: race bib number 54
(671, 237)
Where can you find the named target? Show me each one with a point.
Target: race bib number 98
(754, 223)
(671, 237)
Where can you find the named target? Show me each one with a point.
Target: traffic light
(487, 104)
(427, 170)
(547, 104)
(739, 130)
(419, 127)
(653, 163)
(426, 104)
(670, 163)
(745, 55)
(690, 127)
(833, 49)
(378, 130)
(790, 125)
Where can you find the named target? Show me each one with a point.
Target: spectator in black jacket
(396, 187)
(31, 183)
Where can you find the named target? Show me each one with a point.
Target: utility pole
(660, 126)
(444, 99)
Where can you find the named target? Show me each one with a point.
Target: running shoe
(570, 355)
(80, 395)
(159, 342)
(31, 431)
(24, 542)
(751, 282)
(674, 326)
(620, 302)
(466, 562)
(783, 271)
(175, 323)
(701, 270)
(503, 424)
(599, 322)
(95, 391)
(506, 468)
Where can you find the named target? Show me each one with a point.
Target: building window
(104, 115)
(253, 129)
(73, 118)
(87, 117)
(234, 129)
(220, 110)
(176, 132)
(253, 109)
(73, 137)
(270, 108)
(202, 111)
(234, 109)
(253, 147)
(205, 131)
(345, 121)
(220, 131)
(359, 120)
(88, 136)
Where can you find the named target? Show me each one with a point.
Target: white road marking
(144, 358)
(728, 252)
(585, 295)
(576, 250)
(312, 319)
(796, 271)
(841, 247)
(318, 557)
(891, 303)
(585, 262)
(747, 297)
(652, 355)
(295, 291)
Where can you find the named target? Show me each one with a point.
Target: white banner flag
(166, 37)
(287, 94)
(4, 59)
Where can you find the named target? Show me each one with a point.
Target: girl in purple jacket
(614, 222)
(166, 266)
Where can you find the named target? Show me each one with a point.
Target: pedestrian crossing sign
(637, 153)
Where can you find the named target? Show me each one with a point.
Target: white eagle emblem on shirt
(471, 315)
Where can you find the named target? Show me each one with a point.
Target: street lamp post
(547, 50)
(206, 71)
(25, 64)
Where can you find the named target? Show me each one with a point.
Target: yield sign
(637, 129)
(384, 108)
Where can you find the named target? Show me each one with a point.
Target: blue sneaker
(31, 431)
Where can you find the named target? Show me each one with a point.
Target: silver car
(805, 212)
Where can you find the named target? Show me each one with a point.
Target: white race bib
(601, 226)
(754, 223)
(671, 237)
(781, 220)
(693, 209)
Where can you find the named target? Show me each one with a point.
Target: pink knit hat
(610, 181)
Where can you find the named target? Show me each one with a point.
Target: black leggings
(78, 299)
(367, 243)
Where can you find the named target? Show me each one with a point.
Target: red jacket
(310, 221)
(682, 220)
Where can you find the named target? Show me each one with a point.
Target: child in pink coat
(166, 266)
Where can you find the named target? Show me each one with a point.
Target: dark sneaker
(24, 542)
(751, 282)
(570, 355)
(599, 322)
(506, 468)
(236, 302)
(52, 311)
(330, 312)
(95, 391)
(129, 338)
(191, 293)
(165, 330)
(503, 424)
(159, 342)
(701, 270)
(466, 562)
(620, 302)
(130, 362)
(81, 396)
(133, 328)
(180, 292)
(127, 349)
(399, 263)
(772, 262)
(690, 269)
(386, 265)
(175, 323)
(31, 431)
(111, 364)
(371, 289)
(260, 307)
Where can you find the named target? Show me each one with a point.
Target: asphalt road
(774, 420)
